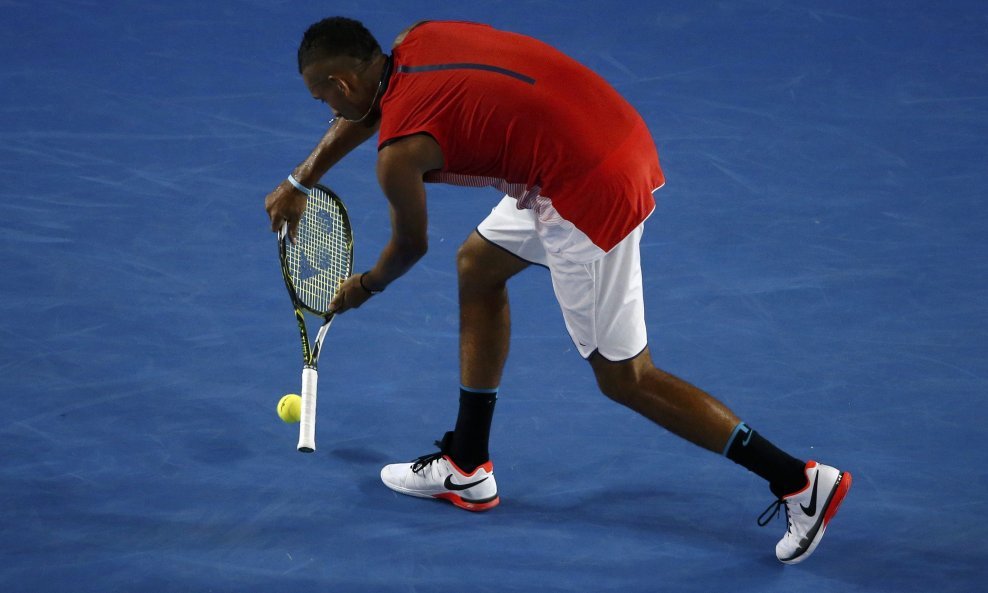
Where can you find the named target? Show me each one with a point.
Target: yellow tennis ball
(290, 408)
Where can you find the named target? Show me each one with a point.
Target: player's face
(329, 90)
(339, 90)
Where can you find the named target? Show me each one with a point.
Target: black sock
(473, 428)
(785, 474)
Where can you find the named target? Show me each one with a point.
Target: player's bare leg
(670, 402)
(461, 471)
(483, 270)
(698, 417)
(695, 415)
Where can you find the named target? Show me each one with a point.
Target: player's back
(506, 106)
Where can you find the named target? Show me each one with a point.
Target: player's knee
(618, 382)
(625, 381)
(469, 266)
(466, 258)
(477, 265)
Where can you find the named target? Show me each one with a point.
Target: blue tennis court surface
(818, 261)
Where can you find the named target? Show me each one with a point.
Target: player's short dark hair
(336, 36)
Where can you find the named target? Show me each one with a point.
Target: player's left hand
(350, 296)
(285, 204)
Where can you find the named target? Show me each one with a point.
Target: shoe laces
(424, 461)
(773, 511)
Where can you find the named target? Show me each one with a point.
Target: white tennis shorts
(600, 293)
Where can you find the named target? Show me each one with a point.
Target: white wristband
(298, 186)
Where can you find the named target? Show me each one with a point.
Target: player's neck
(379, 71)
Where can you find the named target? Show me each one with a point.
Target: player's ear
(345, 85)
(334, 81)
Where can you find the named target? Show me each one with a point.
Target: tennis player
(467, 104)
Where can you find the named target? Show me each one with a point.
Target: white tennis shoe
(808, 511)
(437, 476)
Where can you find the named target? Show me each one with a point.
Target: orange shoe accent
(489, 466)
(806, 471)
(456, 499)
(842, 488)
(468, 505)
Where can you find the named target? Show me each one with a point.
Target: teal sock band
(740, 429)
(475, 390)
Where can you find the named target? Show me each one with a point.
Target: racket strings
(321, 258)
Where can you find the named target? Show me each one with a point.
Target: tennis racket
(314, 267)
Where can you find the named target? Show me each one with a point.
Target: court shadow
(359, 455)
(645, 514)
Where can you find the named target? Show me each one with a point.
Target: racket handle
(307, 425)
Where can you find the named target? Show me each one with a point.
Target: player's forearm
(397, 257)
(341, 139)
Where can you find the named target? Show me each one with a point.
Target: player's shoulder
(447, 23)
(401, 36)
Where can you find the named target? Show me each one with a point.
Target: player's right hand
(350, 295)
(285, 204)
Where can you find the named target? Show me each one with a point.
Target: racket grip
(307, 425)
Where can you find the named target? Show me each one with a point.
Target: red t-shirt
(512, 112)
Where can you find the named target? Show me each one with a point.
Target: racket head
(322, 256)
